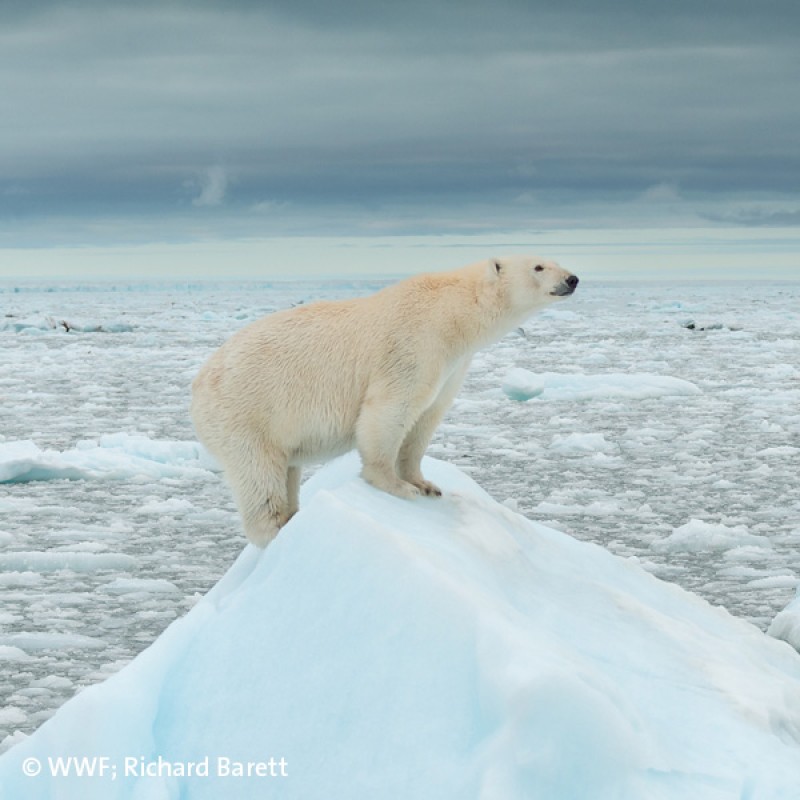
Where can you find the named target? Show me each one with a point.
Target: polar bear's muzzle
(567, 286)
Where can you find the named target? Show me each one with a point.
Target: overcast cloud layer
(179, 121)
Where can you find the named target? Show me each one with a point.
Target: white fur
(376, 373)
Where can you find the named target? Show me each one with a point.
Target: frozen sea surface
(662, 422)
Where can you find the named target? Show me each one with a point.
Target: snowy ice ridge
(446, 648)
(522, 384)
(112, 457)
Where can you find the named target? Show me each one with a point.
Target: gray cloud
(758, 217)
(357, 115)
(213, 186)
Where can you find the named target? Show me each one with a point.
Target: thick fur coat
(377, 373)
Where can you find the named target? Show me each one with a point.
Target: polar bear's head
(529, 282)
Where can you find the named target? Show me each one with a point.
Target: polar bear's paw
(427, 488)
(390, 483)
(262, 528)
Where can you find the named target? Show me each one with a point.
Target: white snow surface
(698, 536)
(436, 649)
(522, 384)
(114, 456)
(786, 624)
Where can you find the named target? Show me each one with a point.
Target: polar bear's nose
(566, 287)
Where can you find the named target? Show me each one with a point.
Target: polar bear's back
(301, 377)
(309, 364)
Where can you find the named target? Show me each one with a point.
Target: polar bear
(376, 373)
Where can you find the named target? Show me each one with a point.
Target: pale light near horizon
(669, 254)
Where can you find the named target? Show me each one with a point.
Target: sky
(301, 137)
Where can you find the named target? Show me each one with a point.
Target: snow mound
(698, 536)
(115, 456)
(434, 649)
(521, 384)
(786, 624)
(10, 653)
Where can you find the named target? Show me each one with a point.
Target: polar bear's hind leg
(265, 490)
(293, 490)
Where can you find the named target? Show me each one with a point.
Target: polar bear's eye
(538, 268)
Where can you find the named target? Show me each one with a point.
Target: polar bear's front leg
(418, 438)
(414, 447)
(380, 432)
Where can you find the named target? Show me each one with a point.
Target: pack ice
(434, 649)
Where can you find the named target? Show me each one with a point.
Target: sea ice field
(661, 421)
